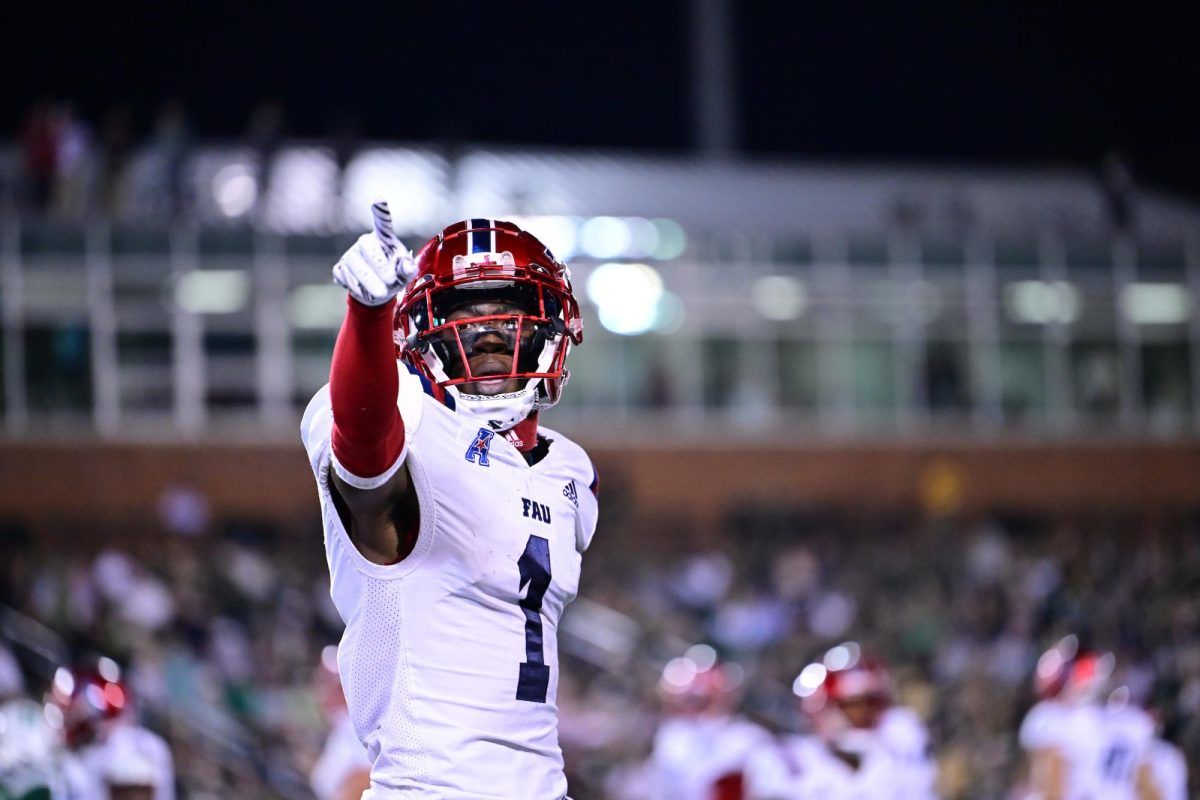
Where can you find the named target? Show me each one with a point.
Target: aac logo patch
(480, 446)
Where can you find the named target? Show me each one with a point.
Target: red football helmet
(1072, 673)
(490, 261)
(845, 695)
(86, 697)
(687, 689)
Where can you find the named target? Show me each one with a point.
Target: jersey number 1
(534, 563)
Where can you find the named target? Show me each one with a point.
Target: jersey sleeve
(589, 510)
(316, 430)
(1041, 728)
(1169, 771)
(769, 775)
(345, 561)
(316, 427)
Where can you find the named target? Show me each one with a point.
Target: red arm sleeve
(729, 787)
(368, 433)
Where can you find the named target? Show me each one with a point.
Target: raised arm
(372, 489)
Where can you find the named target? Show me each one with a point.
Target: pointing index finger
(383, 227)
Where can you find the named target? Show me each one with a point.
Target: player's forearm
(1145, 787)
(1049, 774)
(368, 433)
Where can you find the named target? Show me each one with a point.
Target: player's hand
(378, 266)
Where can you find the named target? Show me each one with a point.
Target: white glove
(378, 266)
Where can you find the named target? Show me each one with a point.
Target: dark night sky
(991, 82)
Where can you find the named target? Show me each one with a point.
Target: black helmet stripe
(482, 236)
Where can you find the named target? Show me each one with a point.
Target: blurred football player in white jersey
(110, 756)
(454, 524)
(701, 746)
(342, 771)
(851, 755)
(1165, 776)
(31, 758)
(1082, 744)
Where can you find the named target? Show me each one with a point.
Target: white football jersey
(805, 768)
(1169, 770)
(130, 755)
(1102, 746)
(691, 754)
(449, 660)
(903, 732)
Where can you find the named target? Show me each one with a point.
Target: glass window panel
(311, 354)
(874, 368)
(876, 302)
(1096, 381)
(141, 241)
(58, 371)
(865, 249)
(1163, 261)
(593, 366)
(797, 364)
(1022, 381)
(645, 381)
(947, 376)
(1166, 385)
(720, 358)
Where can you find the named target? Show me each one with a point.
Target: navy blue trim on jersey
(595, 485)
(432, 389)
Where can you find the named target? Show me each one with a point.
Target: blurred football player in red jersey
(701, 746)
(1085, 742)
(342, 771)
(111, 756)
(454, 522)
(854, 753)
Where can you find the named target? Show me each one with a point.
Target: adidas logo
(571, 494)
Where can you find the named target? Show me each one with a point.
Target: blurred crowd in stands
(75, 169)
(221, 628)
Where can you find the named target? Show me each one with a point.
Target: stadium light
(605, 237)
(779, 297)
(643, 238)
(213, 291)
(672, 241)
(704, 656)
(235, 189)
(627, 296)
(678, 673)
(809, 679)
(1042, 302)
(1155, 303)
(561, 234)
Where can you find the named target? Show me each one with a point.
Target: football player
(31, 763)
(701, 747)
(110, 756)
(454, 522)
(1081, 744)
(851, 755)
(1166, 771)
